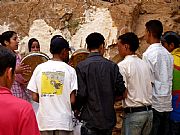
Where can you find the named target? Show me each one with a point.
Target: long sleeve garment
(99, 81)
(160, 62)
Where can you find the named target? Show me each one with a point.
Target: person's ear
(126, 46)
(101, 49)
(102, 46)
(10, 74)
(148, 34)
(62, 53)
(9, 77)
(171, 46)
(6, 42)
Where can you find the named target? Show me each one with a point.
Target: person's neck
(99, 50)
(3, 87)
(56, 58)
(153, 41)
(130, 53)
(3, 83)
(95, 50)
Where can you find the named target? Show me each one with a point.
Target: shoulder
(21, 105)
(142, 63)
(70, 68)
(44, 65)
(107, 61)
(83, 63)
(96, 61)
(22, 102)
(66, 68)
(125, 62)
(109, 64)
(152, 54)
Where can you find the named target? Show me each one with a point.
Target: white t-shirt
(54, 81)
(160, 62)
(136, 75)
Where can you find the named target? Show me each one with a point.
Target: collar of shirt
(155, 45)
(94, 54)
(131, 56)
(4, 90)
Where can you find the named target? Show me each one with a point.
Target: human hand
(23, 69)
(77, 114)
(125, 94)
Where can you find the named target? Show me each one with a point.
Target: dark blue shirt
(99, 81)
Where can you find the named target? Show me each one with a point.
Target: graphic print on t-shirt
(52, 83)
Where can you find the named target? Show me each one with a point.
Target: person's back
(160, 62)
(54, 82)
(53, 85)
(138, 81)
(16, 115)
(137, 116)
(162, 65)
(99, 81)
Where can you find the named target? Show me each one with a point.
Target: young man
(53, 84)
(136, 74)
(16, 115)
(99, 81)
(160, 62)
(171, 42)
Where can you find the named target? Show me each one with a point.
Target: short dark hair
(171, 37)
(155, 27)
(131, 39)
(58, 44)
(94, 40)
(55, 36)
(5, 36)
(7, 59)
(31, 42)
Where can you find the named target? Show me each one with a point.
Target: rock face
(75, 19)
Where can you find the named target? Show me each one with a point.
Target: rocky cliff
(75, 19)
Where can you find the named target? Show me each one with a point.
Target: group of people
(149, 87)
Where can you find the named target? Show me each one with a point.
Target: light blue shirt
(160, 62)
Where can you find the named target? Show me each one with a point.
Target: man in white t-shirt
(53, 85)
(160, 62)
(138, 114)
